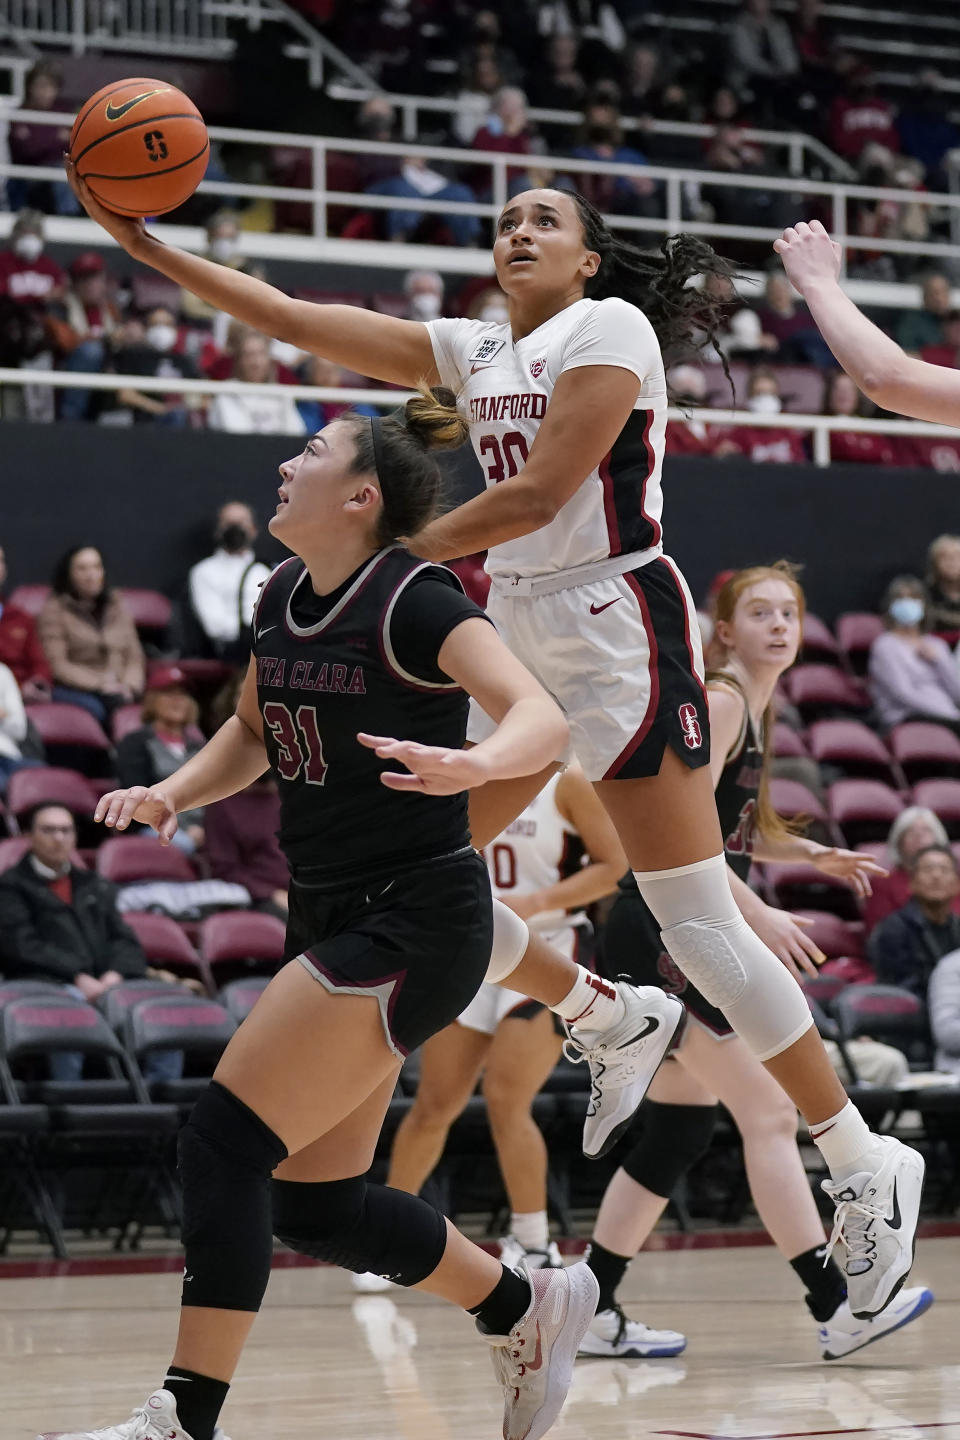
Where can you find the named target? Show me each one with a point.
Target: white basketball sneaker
(623, 1060)
(157, 1420)
(843, 1332)
(365, 1282)
(875, 1225)
(513, 1254)
(614, 1336)
(534, 1363)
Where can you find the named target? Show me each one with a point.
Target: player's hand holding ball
(808, 254)
(138, 147)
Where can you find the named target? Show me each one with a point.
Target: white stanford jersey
(532, 853)
(503, 390)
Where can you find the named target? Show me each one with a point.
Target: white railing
(678, 183)
(411, 107)
(818, 426)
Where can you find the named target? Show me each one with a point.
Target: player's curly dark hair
(657, 282)
(411, 482)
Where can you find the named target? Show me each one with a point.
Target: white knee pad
(713, 945)
(510, 940)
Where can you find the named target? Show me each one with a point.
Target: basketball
(141, 145)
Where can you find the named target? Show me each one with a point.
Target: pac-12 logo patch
(537, 368)
(486, 351)
(692, 734)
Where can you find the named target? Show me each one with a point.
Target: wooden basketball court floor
(327, 1364)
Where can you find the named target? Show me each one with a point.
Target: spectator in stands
(775, 444)
(27, 276)
(860, 116)
(507, 130)
(913, 675)
(486, 42)
(943, 1008)
(813, 41)
(601, 138)
(255, 414)
(914, 829)
(763, 60)
(886, 218)
(34, 143)
(600, 28)
(168, 737)
(415, 180)
(157, 355)
(558, 83)
(60, 923)
(905, 948)
(943, 586)
(926, 129)
(376, 121)
(89, 637)
(742, 336)
(13, 729)
(424, 291)
(82, 324)
(841, 397)
(223, 247)
(730, 152)
(947, 352)
(646, 71)
(687, 386)
(315, 414)
(20, 647)
(242, 848)
(784, 316)
(482, 81)
(223, 588)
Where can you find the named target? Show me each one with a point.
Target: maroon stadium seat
(31, 598)
(821, 690)
(854, 748)
(798, 886)
(940, 796)
(237, 943)
(834, 936)
(863, 809)
(924, 750)
(818, 642)
(149, 609)
(164, 942)
(71, 737)
(788, 742)
(50, 784)
(125, 719)
(856, 632)
(125, 859)
(795, 801)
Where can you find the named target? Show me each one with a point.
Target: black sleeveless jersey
(737, 797)
(319, 682)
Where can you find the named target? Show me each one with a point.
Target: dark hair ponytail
(398, 453)
(683, 317)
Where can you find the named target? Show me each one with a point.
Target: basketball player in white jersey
(884, 372)
(512, 1041)
(566, 404)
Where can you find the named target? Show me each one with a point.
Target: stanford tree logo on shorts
(692, 735)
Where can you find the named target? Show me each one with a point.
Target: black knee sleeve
(226, 1156)
(360, 1227)
(674, 1137)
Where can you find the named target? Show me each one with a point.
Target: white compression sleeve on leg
(510, 940)
(715, 948)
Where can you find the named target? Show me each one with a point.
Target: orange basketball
(141, 146)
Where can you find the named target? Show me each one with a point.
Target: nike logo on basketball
(598, 609)
(117, 112)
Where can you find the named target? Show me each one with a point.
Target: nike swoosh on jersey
(117, 112)
(261, 633)
(475, 368)
(598, 609)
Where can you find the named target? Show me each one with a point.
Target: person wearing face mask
(780, 446)
(688, 388)
(913, 675)
(424, 292)
(223, 247)
(28, 276)
(157, 355)
(223, 588)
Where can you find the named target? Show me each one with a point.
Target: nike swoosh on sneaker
(597, 609)
(117, 112)
(895, 1220)
(652, 1024)
(537, 1360)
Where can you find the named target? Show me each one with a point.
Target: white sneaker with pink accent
(157, 1420)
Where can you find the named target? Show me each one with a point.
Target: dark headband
(379, 454)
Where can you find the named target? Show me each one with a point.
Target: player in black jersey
(759, 621)
(356, 698)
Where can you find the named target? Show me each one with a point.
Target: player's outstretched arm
(882, 370)
(382, 346)
(531, 731)
(230, 761)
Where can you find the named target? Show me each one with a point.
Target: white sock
(531, 1229)
(845, 1142)
(592, 1003)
